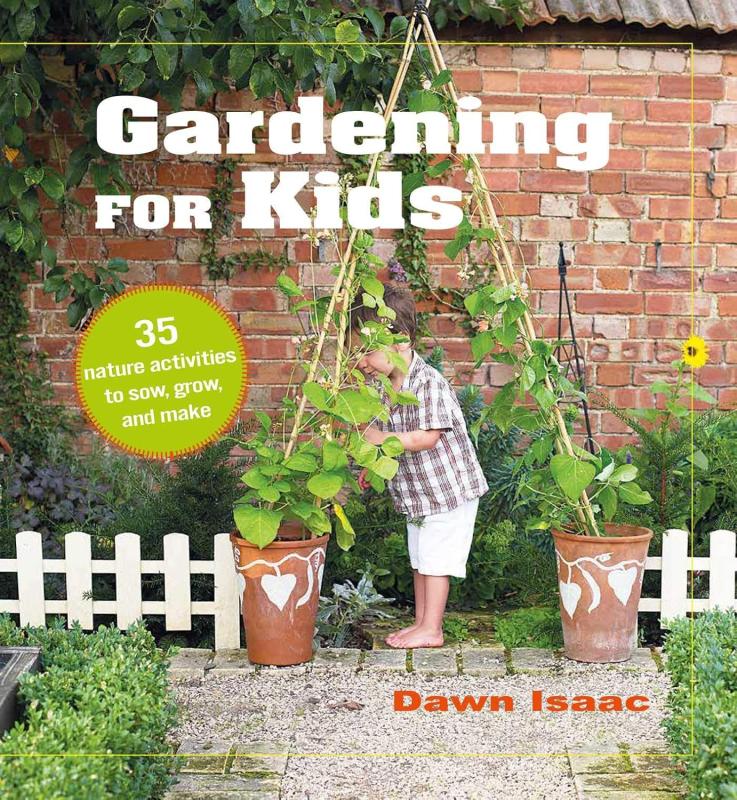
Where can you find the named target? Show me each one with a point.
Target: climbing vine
(222, 218)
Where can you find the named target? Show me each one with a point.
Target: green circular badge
(161, 371)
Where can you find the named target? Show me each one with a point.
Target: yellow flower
(10, 153)
(695, 351)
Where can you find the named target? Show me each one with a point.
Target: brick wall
(630, 315)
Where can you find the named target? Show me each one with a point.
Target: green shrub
(101, 692)
(530, 627)
(710, 713)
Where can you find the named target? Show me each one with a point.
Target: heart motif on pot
(241, 584)
(570, 594)
(278, 588)
(621, 581)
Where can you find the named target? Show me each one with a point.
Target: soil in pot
(280, 594)
(600, 581)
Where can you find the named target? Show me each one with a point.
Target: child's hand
(362, 480)
(373, 435)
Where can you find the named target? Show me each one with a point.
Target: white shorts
(440, 546)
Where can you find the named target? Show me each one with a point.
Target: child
(439, 480)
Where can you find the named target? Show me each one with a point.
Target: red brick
(704, 87)
(548, 278)
(555, 229)
(709, 137)
(725, 330)
(502, 180)
(141, 249)
(515, 205)
(621, 109)
(680, 208)
(726, 255)
(494, 81)
(727, 398)
(677, 111)
(182, 173)
(565, 58)
(184, 274)
(613, 374)
(718, 231)
(677, 161)
(717, 375)
(609, 303)
(621, 158)
(646, 231)
(667, 280)
(681, 304)
(720, 282)
(553, 181)
(273, 373)
(658, 184)
(469, 80)
(728, 305)
(614, 278)
(678, 255)
(658, 135)
(726, 161)
(608, 255)
(607, 182)
(553, 83)
(620, 207)
(624, 85)
(493, 56)
(269, 347)
(729, 207)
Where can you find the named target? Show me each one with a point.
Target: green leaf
(325, 484)
(266, 7)
(572, 475)
(240, 59)
(356, 406)
(421, 100)
(33, 175)
(438, 169)
(128, 15)
(608, 499)
(165, 57)
(443, 77)
(257, 525)
(22, 105)
(130, 77)
(385, 467)
(347, 32)
(391, 446)
(53, 185)
(398, 26)
(301, 462)
(10, 53)
(316, 395)
(376, 19)
(287, 286)
(699, 460)
(333, 456)
(624, 473)
(544, 398)
(411, 182)
(255, 478)
(527, 378)
(373, 286)
(482, 344)
(269, 493)
(262, 82)
(344, 533)
(542, 447)
(631, 493)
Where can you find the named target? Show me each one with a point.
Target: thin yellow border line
(692, 677)
(444, 43)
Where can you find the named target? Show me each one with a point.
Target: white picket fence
(675, 564)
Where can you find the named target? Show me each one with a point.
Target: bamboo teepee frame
(419, 23)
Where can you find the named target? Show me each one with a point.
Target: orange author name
(408, 700)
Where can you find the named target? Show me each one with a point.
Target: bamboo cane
(505, 271)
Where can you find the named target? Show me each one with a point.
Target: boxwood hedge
(711, 770)
(103, 693)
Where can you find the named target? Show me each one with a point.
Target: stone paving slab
(434, 661)
(261, 757)
(642, 660)
(209, 756)
(223, 787)
(190, 663)
(231, 662)
(654, 763)
(532, 660)
(336, 658)
(484, 661)
(626, 782)
(606, 764)
(385, 660)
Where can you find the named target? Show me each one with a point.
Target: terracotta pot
(600, 581)
(280, 593)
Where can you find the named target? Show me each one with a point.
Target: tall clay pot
(600, 581)
(280, 593)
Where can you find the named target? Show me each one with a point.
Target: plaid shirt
(447, 475)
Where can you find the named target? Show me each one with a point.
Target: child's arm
(413, 441)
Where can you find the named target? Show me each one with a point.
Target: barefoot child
(439, 480)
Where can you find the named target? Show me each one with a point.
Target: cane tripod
(419, 25)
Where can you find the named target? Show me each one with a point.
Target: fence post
(78, 559)
(177, 588)
(227, 603)
(722, 566)
(674, 575)
(128, 579)
(31, 599)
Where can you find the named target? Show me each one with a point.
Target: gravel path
(372, 751)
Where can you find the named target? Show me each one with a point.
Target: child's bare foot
(420, 637)
(392, 636)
